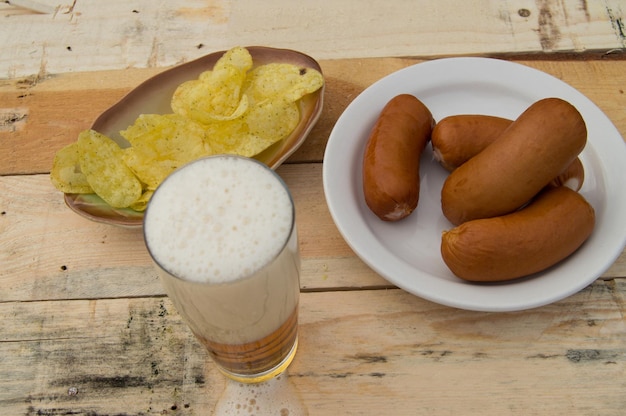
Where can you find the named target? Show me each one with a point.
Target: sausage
(457, 138)
(572, 177)
(543, 233)
(392, 154)
(531, 152)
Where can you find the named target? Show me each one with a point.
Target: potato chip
(161, 144)
(194, 100)
(101, 161)
(216, 95)
(261, 126)
(142, 203)
(273, 119)
(66, 175)
(205, 76)
(272, 114)
(265, 112)
(143, 124)
(234, 137)
(287, 81)
(229, 109)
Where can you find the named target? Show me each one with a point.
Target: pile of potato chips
(234, 108)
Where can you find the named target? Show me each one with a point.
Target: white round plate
(407, 252)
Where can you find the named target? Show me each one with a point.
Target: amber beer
(222, 233)
(257, 356)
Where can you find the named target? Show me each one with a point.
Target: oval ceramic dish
(153, 96)
(407, 252)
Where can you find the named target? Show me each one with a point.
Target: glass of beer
(222, 233)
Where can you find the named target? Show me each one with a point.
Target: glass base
(277, 396)
(266, 375)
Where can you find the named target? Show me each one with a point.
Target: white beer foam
(218, 219)
(273, 397)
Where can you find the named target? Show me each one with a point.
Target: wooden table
(85, 327)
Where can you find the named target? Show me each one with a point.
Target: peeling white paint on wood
(87, 35)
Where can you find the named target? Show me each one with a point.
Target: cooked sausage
(457, 138)
(392, 154)
(531, 152)
(543, 233)
(573, 176)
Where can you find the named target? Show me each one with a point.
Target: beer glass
(222, 233)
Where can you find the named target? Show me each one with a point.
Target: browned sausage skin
(458, 138)
(531, 152)
(543, 233)
(392, 154)
(572, 177)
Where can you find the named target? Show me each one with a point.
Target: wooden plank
(49, 252)
(41, 116)
(361, 352)
(49, 113)
(87, 36)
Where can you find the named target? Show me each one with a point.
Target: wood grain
(404, 356)
(49, 113)
(77, 258)
(48, 252)
(85, 327)
(88, 36)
